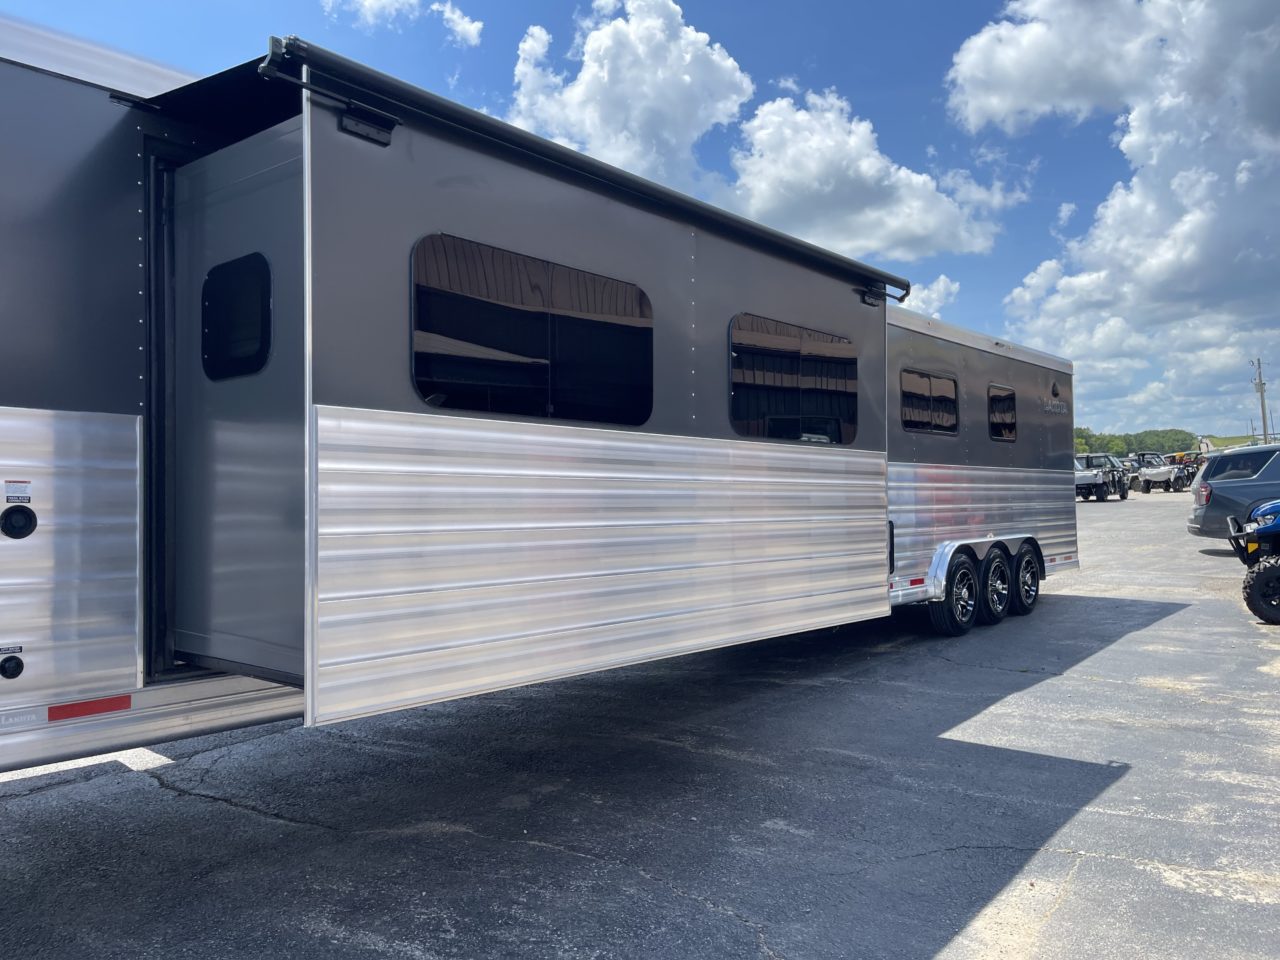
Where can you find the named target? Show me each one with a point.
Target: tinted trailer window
(235, 314)
(1002, 413)
(929, 403)
(791, 383)
(504, 333)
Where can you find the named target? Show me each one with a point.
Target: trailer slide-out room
(326, 396)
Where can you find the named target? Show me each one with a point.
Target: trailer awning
(376, 103)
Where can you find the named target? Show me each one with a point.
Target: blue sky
(1100, 181)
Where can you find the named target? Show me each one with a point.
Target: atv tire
(1262, 589)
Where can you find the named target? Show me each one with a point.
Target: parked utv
(1099, 475)
(1257, 544)
(1155, 471)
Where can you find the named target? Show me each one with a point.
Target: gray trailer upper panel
(372, 99)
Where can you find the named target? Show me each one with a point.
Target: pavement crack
(43, 788)
(216, 756)
(958, 848)
(237, 804)
(757, 929)
(1062, 894)
(987, 666)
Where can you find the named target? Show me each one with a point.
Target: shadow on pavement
(790, 798)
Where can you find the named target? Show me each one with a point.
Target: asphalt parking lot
(1101, 779)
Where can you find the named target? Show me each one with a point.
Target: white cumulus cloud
(1056, 56)
(647, 88)
(997, 195)
(932, 297)
(816, 170)
(464, 31)
(1172, 287)
(373, 13)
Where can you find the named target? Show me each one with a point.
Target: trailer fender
(936, 579)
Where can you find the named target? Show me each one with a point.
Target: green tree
(1162, 441)
(1165, 441)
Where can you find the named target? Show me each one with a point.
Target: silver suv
(1232, 483)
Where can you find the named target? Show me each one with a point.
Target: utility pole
(1261, 386)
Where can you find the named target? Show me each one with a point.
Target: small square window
(930, 403)
(1002, 413)
(235, 317)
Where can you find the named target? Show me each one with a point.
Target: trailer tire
(1179, 485)
(955, 613)
(995, 582)
(1261, 589)
(1026, 581)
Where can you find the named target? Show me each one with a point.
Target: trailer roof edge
(910, 320)
(73, 58)
(290, 52)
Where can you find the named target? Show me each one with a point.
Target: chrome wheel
(996, 580)
(964, 595)
(998, 586)
(1028, 581)
(956, 612)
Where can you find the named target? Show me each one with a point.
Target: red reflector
(916, 582)
(87, 708)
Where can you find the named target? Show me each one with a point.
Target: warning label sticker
(17, 491)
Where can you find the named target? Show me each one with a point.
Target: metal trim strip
(157, 713)
(310, 507)
(140, 616)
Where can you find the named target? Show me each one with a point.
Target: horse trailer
(325, 396)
